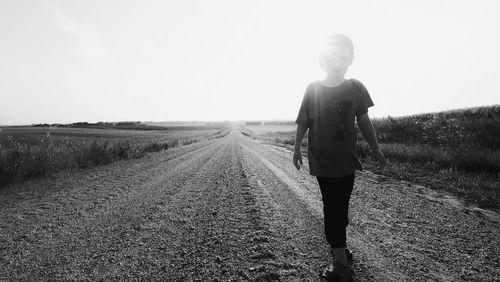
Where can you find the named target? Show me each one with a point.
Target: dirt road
(233, 209)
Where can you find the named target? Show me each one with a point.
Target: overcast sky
(68, 61)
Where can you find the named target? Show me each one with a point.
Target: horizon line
(250, 120)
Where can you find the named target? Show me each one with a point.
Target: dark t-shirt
(329, 113)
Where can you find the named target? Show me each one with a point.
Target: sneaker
(349, 255)
(338, 272)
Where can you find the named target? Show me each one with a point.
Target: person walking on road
(329, 109)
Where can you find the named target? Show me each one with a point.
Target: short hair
(340, 40)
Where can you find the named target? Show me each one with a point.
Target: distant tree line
(135, 125)
(85, 124)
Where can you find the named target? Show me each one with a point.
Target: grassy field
(458, 151)
(31, 152)
(34, 135)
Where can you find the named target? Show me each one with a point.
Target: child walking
(329, 109)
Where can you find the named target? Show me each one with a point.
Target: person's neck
(332, 81)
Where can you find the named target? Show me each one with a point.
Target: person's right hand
(297, 158)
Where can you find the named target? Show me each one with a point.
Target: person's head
(337, 55)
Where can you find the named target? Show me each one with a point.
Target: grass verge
(20, 161)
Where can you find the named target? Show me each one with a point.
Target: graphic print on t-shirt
(339, 118)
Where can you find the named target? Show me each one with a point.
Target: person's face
(336, 59)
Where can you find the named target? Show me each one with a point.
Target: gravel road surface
(233, 209)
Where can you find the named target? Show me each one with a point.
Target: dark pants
(336, 192)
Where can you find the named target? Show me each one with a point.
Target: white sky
(68, 61)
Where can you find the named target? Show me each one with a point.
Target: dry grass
(21, 161)
(27, 153)
(436, 159)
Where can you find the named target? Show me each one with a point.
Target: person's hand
(379, 158)
(297, 158)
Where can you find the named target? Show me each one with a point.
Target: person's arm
(299, 136)
(366, 127)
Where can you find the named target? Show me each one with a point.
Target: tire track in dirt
(226, 238)
(296, 227)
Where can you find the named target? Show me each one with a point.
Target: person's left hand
(297, 158)
(379, 158)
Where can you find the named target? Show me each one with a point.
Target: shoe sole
(325, 276)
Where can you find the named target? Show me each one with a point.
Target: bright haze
(69, 61)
